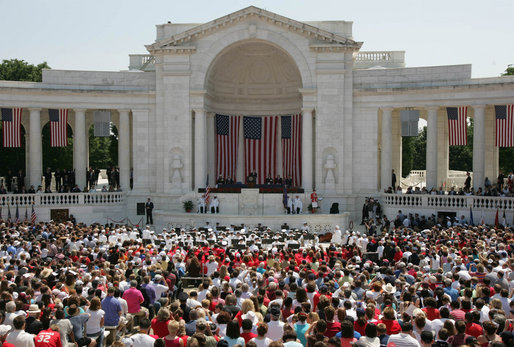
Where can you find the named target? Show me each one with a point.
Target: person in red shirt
(472, 329)
(430, 309)
(392, 325)
(160, 322)
(332, 327)
(247, 334)
(48, 338)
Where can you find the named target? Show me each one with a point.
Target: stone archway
(253, 77)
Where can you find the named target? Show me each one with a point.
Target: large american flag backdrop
(227, 140)
(11, 127)
(58, 127)
(457, 125)
(291, 128)
(260, 145)
(504, 125)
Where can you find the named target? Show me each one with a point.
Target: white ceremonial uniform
(298, 205)
(201, 204)
(214, 205)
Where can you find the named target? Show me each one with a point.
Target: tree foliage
(509, 71)
(20, 70)
(103, 151)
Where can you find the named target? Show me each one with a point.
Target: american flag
(11, 125)
(33, 216)
(207, 191)
(58, 127)
(457, 125)
(504, 125)
(227, 140)
(292, 148)
(26, 214)
(260, 134)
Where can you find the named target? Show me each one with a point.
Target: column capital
(479, 107)
(199, 110)
(386, 109)
(307, 109)
(77, 110)
(124, 110)
(431, 108)
(34, 109)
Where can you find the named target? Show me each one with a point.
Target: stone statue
(330, 166)
(176, 170)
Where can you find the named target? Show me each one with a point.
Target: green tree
(461, 157)
(407, 154)
(103, 151)
(509, 71)
(20, 70)
(420, 150)
(57, 157)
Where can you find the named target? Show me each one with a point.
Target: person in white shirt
(298, 205)
(405, 338)
(201, 204)
(214, 205)
(337, 235)
(159, 286)
(18, 336)
(141, 339)
(211, 266)
(275, 326)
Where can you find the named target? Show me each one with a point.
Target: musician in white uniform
(201, 204)
(214, 205)
(298, 205)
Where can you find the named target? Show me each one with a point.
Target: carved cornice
(333, 48)
(254, 12)
(172, 50)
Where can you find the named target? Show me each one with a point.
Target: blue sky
(99, 35)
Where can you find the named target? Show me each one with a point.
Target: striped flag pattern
(292, 148)
(33, 216)
(58, 127)
(227, 144)
(457, 125)
(504, 125)
(260, 144)
(11, 127)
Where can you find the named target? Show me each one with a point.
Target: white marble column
(386, 161)
(307, 149)
(200, 149)
(79, 148)
(479, 147)
(141, 150)
(431, 159)
(124, 150)
(35, 148)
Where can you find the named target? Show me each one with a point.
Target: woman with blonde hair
(160, 322)
(172, 339)
(181, 332)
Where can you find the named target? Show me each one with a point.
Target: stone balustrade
(448, 202)
(380, 58)
(63, 199)
(144, 62)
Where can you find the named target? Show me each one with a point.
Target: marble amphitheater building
(255, 63)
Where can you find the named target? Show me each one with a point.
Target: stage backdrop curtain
(260, 146)
(292, 148)
(227, 140)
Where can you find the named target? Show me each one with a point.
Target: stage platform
(318, 223)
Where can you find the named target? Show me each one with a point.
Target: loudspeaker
(140, 208)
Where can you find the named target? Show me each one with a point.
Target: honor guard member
(305, 228)
(147, 237)
(201, 204)
(214, 205)
(298, 205)
(314, 201)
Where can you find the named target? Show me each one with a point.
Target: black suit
(149, 209)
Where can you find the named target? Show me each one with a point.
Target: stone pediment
(181, 42)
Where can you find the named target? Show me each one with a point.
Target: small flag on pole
(8, 212)
(33, 217)
(504, 219)
(471, 216)
(58, 127)
(17, 215)
(496, 219)
(207, 191)
(482, 219)
(284, 197)
(26, 214)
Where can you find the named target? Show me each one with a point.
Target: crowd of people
(71, 284)
(504, 187)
